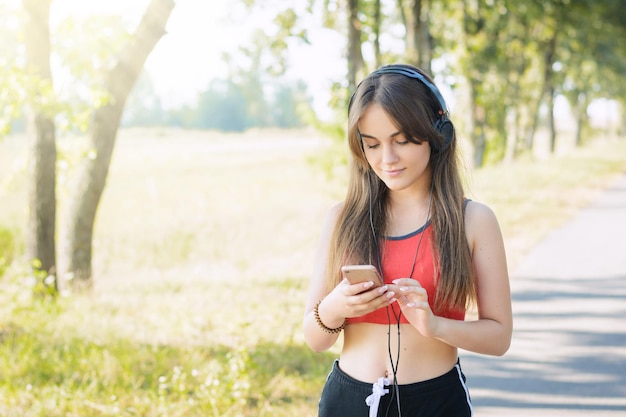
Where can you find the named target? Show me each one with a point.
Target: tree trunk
(621, 128)
(410, 37)
(476, 118)
(549, 57)
(418, 47)
(422, 35)
(579, 108)
(40, 239)
(93, 172)
(477, 127)
(355, 56)
(377, 25)
(532, 127)
(511, 131)
(409, 48)
(551, 121)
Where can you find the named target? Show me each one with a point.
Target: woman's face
(399, 163)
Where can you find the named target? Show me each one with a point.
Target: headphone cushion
(445, 127)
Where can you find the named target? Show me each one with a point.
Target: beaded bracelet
(327, 329)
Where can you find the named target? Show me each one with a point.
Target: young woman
(437, 252)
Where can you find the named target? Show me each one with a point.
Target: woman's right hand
(354, 300)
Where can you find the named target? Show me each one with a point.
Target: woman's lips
(393, 172)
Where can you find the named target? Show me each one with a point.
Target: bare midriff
(366, 353)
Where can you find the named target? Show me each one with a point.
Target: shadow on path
(568, 354)
(568, 350)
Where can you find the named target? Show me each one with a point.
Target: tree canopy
(505, 61)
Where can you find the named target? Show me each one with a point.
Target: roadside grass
(203, 248)
(533, 197)
(48, 374)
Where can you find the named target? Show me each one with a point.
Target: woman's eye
(372, 146)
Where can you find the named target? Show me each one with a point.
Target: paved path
(568, 355)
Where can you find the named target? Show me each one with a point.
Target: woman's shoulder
(476, 208)
(333, 214)
(337, 207)
(479, 217)
(477, 211)
(335, 210)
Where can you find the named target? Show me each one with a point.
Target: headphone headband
(395, 69)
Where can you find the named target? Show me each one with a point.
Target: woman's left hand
(413, 301)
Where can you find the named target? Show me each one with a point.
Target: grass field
(203, 248)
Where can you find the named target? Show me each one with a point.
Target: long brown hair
(414, 108)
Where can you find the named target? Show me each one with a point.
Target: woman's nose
(389, 155)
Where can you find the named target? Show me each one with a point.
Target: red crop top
(398, 255)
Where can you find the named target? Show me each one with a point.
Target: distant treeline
(226, 105)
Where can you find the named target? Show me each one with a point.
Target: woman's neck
(408, 213)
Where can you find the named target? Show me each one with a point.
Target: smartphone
(362, 273)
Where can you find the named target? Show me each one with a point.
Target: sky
(188, 57)
(199, 31)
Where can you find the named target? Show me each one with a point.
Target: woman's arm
(491, 333)
(314, 335)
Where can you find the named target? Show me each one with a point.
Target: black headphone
(443, 125)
